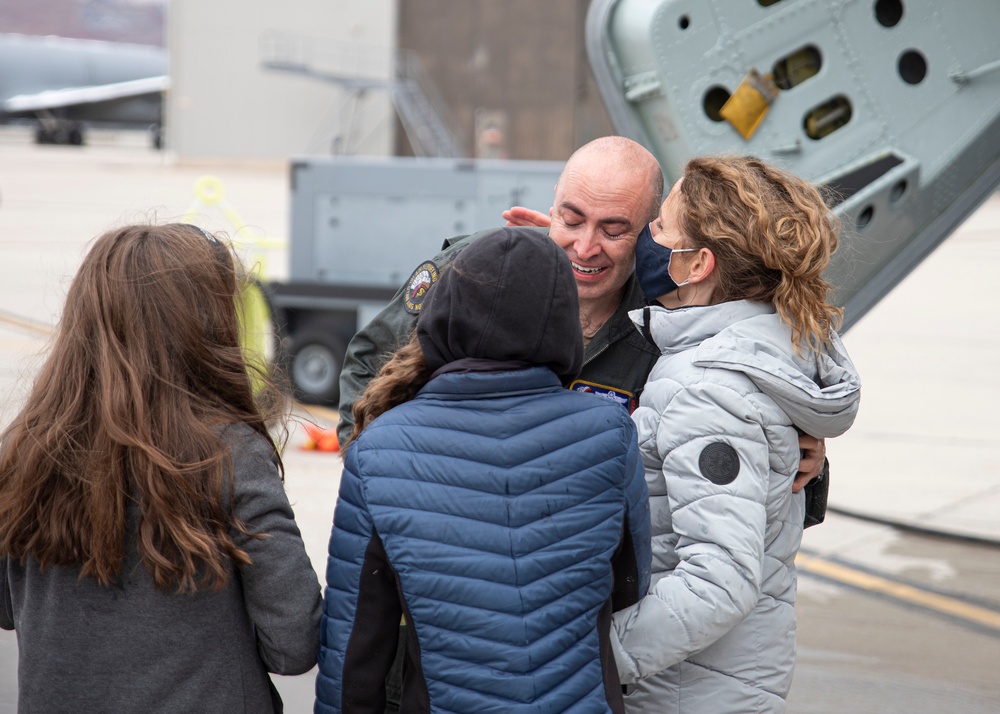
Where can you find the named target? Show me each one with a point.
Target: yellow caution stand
(253, 310)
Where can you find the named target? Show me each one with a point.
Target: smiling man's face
(600, 208)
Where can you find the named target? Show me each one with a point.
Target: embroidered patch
(616, 395)
(417, 286)
(719, 463)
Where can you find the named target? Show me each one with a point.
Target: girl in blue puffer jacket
(501, 516)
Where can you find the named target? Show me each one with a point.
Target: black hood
(509, 296)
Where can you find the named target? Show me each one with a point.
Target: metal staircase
(359, 69)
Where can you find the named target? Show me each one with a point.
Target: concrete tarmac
(923, 453)
(925, 449)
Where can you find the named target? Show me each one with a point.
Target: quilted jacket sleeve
(361, 609)
(714, 471)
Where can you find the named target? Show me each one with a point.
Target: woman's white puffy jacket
(717, 432)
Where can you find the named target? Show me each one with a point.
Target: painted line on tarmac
(909, 527)
(948, 605)
(23, 323)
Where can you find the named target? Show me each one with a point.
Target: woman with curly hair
(750, 358)
(149, 560)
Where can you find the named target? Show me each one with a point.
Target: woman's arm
(715, 468)
(280, 587)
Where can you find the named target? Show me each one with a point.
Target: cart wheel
(315, 358)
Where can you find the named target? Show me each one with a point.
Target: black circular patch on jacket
(719, 463)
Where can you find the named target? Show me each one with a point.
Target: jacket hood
(820, 392)
(508, 296)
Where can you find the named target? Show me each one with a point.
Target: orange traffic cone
(320, 439)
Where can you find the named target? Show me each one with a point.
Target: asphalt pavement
(925, 449)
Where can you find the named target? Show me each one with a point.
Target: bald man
(609, 190)
(607, 193)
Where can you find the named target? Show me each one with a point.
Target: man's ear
(702, 265)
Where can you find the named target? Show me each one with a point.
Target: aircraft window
(912, 67)
(898, 191)
(794, 69)
(714, 99)
(827, 117)
(838, 190)
(865, 217)
(684, 23)
(767, 3)
(888, 12)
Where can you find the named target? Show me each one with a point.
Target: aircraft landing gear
(156, 136)
(59, 131)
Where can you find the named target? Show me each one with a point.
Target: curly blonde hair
(772, 235)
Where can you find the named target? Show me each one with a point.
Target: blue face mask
(652, 266)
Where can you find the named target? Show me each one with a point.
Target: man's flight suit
(616, 362)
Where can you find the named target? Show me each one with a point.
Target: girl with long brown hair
(149, 560)
(739, 309)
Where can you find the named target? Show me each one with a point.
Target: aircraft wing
(74, 96)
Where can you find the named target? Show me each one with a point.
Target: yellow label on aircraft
(749, 104)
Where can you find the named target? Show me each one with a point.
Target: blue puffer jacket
(497, 512)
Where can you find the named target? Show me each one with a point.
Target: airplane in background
(63, 84)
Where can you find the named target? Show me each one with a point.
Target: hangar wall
(223, 104)
(513, 75)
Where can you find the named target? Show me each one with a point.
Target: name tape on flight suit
(626, 399)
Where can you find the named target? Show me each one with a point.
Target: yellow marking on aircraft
(906, 593)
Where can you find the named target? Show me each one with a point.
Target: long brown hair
(145, 374)
(772, 236)
(399, 380)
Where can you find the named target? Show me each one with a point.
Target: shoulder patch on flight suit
(419, 283)
(615, 395)
(719, 463)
